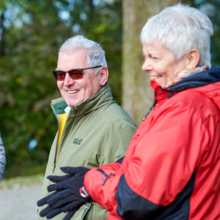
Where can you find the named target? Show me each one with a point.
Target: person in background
(172, 165)
(93, 129)
(2, 158)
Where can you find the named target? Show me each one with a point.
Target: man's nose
(68, 80)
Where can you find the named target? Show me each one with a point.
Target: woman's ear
(103, 74)
(193, 58)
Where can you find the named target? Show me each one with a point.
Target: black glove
(70, 194)
(43, 201)
(49, 212)
(69, 215)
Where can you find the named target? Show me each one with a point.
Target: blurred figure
(172, 165)
(93, 129)
(2, 158)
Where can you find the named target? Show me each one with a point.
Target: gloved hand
(49, 212)
(70, 194)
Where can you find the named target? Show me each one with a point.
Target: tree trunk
(137, 94)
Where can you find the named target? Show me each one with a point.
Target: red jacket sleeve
(101, 184)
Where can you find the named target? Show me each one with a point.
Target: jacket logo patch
(77, 141)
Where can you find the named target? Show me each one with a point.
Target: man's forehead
(75, 60)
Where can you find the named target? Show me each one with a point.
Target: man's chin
(72, 103)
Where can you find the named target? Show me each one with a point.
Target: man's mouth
(72, 92)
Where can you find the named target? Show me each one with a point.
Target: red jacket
(172, 167)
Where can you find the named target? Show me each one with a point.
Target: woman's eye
(153, 57)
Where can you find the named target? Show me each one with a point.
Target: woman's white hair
(180, 28)
(95, 54)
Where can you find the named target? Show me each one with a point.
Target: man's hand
(69, 193)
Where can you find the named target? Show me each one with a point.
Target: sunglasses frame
(56, 75)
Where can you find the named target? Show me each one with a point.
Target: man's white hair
(180, 28)
(95, 54)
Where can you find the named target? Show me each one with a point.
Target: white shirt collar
(67, 110)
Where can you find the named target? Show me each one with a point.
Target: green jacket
(97, 132)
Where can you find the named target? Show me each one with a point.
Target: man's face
(76, 91)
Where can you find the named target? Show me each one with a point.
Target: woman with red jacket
(171, 169)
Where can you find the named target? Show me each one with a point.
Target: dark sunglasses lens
(76, 74)
(59, 75)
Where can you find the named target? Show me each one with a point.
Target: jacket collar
(159, 93)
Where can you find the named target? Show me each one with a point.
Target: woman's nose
(147, 66)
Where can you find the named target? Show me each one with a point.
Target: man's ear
(193, 58)
(103, 74)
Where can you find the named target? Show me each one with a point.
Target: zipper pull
(54, 167)
(107, 177)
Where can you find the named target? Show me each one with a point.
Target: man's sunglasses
(74, 74)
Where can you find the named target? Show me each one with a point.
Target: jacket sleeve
(2, 158)
(101, 184)
(117, 140)
(163, 158)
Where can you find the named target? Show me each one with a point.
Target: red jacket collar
(159, 93)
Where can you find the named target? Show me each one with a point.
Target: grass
(18, 182)
(22, 170)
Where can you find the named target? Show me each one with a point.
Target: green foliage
(31, 34)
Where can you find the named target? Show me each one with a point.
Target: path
(19, 203)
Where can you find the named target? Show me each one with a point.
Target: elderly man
(93, 129)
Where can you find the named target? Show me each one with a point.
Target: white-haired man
(93, 129)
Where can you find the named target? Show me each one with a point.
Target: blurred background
(31, 33)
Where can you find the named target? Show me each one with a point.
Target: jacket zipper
(151, 108)
(56, 150)
(55, 158)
